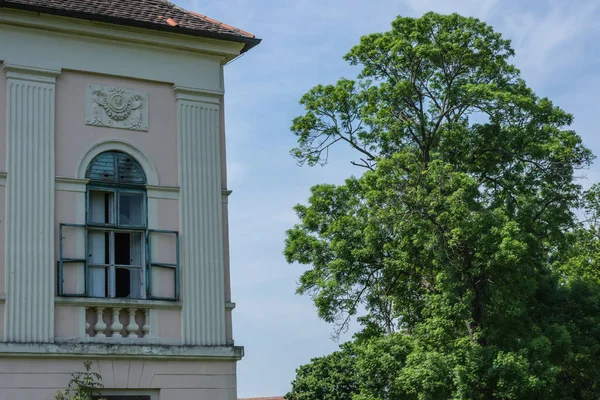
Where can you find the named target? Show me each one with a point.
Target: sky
(557, 44)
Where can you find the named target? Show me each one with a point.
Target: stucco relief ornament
(116, 108)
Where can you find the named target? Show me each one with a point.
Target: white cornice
(226, 49)
(138, 55)
(118, 350)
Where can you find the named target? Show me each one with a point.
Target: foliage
(82, 386)
(459, 240)
(332, 377)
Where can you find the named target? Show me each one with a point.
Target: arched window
(116, 220)
(114, 248)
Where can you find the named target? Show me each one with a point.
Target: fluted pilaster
(201, 222)
(29, 257)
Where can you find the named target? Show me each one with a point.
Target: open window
(116, 242)
(117, 224)
(121, 257)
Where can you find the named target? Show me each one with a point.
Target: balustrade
(117, 322)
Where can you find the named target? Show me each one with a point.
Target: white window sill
(112, 302)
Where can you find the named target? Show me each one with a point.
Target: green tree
(82, 386)
(331, 377)
(453, 236)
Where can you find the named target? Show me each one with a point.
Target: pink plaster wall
(74, 137)
(168, 214)
(66, 322)
(41, 378)
(169, 324)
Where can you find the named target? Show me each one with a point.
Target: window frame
(112, 228)
(116, 188)
(150, 265)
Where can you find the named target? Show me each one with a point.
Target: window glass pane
(131, 209)
(136, 283)
(101, 206)
(98, 281)
(163, 282)
(99, 247)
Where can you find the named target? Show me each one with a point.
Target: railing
(117, 322)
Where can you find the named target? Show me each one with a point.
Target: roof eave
(249, 42)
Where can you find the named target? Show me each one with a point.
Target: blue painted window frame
(116, 188)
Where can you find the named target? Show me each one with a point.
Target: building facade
(113, 199)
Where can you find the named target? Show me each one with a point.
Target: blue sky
(558, 52)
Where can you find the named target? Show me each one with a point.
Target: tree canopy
(459, 235)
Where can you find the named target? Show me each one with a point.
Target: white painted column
(201, 221)
(29, 257)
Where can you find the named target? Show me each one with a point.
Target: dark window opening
(122, 249)
(122, 283)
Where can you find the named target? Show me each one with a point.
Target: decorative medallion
(116, 108)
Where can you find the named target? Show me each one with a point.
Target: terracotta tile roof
(151, 14)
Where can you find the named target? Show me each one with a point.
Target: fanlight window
(115, 168)
(117, 244)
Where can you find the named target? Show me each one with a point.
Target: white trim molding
(71, 184)
(31, 74)
(198, 95)
(113, 302)
(163, 192)
(225, 196)
(126, 351)
(118, 145)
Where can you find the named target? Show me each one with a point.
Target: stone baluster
(87, 324)
(100, 325)
(146, 327)
(116, 326)
(133, 327)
